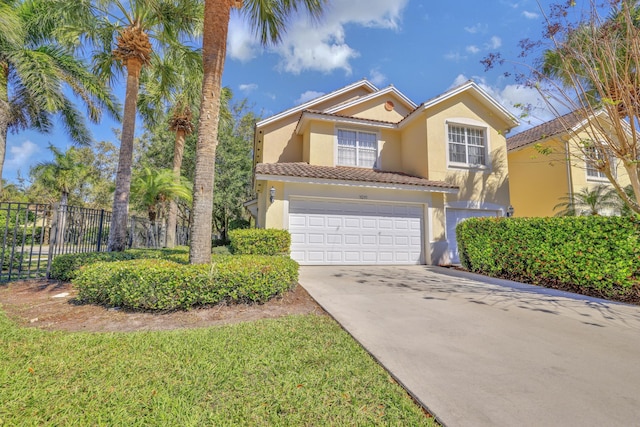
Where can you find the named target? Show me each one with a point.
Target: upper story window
(594, 157)
(357, 148)
(467, 145)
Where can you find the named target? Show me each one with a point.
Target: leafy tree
(589, 201)
(589, 66)
(152, 189)
(65, 173)
(37, 74)
(268, 18)
(233, 169)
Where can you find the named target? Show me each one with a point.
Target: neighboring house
(546, 165)
(365, 176)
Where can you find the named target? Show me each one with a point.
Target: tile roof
(342, 116)
(545, 130)
(346, 173)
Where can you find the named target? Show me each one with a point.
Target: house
(547, 165)
(366, 176)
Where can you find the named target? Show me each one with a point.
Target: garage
(454, 217)
(353, 232)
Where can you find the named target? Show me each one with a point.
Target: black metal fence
(33, 234)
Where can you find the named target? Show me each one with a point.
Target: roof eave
(341, 182)
(320, 99)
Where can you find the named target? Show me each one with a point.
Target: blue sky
(421, 47)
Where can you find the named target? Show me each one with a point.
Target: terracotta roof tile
(345, 173)
(322, 113)
(544, 131)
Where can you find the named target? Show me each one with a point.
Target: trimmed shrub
(595, 255)
(166, 285)
(65, 267)
(259, 241)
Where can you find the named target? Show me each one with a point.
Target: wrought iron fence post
(100, 221)
(53, 236)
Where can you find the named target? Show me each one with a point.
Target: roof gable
(363, 84)
(386, 93)
(475, 90)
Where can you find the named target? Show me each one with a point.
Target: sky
(423, 48)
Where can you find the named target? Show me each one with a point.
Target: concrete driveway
(490, 352)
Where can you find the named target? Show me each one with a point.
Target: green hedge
(595, 255)
(166, 285)
(259, 241)
(65, 267)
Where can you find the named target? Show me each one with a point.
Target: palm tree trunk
(214, 44)
(5, 114)
(118, 228)
(172, 220)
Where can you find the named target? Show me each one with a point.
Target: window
(467, 145)
(593, 158)
(357, 148)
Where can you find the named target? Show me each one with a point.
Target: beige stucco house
(547, 165)
(366, 176)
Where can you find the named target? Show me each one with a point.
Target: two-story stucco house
(546, 164)
(366, 176)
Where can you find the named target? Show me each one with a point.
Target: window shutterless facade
(592, 157)
(467, 145)
(357, 148)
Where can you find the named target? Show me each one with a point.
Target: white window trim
(376, 165)
(467, 122)
(603, 179)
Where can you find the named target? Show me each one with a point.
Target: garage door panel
(353, 232)
(316, 239)
(334, 239)
(351, 223)
(351, 239)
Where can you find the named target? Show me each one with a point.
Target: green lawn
(298, 370)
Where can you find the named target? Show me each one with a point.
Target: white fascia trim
(306, 105)
(250, 202)
(390, 89)
(379, 185)
(470, 85)
(348, 121)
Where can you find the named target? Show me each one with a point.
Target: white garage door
(354, 232)
(455, 216)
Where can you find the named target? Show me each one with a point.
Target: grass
(297, 370)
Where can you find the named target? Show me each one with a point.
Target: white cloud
(454, 56)
(530, 15)
(473, 49)
(323, 47)
(377, 78)
(248, 88)
(308, 96)
(241, 43)
(477, 28)
(21, 155)
(494, 43)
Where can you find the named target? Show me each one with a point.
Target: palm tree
(65, 173)
(268, 19)
(587, 201)
(172, 85)
(125, 35)
(37, 73)
(153, 188)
